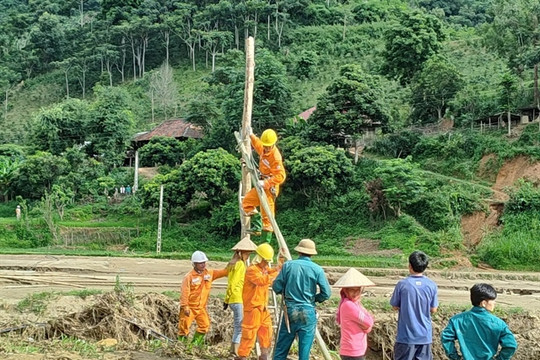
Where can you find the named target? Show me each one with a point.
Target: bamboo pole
(246, 127)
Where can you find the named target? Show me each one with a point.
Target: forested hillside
(80, 78)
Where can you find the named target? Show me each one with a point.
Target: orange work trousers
(201, 318)
(256, 323)
(251, 201)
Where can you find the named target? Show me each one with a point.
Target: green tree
(401, 182)
(432, 89)
(507, 96)
(212, 175)
(410, 40)
(319, 172)
(111, 127)
(162, 150)
(351, 103)
(38, 173)
(8, 173)
(61, 126)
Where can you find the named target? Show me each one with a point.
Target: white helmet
(198, 257)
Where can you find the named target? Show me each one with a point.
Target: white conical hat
(245, 245)
(353, 278)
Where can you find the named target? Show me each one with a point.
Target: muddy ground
(144, 312)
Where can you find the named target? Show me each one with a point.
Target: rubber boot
(235, 348)
(255, 225)
(198, 339)
(266, 236)
(183, 338)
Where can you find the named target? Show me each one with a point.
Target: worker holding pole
(298, 282)
(194, 297)
(272, 175)
(235, 286)
(257, 323)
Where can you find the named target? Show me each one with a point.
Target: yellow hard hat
(268, 137)
(265, 251)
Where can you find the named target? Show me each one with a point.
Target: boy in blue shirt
(478, 332)
(415, 298)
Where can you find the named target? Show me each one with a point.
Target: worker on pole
(235, 285)
(194, 297)
(257, 323)
(272, 175)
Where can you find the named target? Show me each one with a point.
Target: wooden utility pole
(246, 126)
(136, 177)
(160, 216)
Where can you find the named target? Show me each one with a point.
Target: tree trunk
(167, 41)
(81, 10)
(509, 123)
(133, 58)
(6, 105)
(67, 83)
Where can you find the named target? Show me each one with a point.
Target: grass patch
(36, 303)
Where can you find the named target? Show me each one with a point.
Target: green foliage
(35, 303)
(112, 125)
(402, 183)
(351, 104)
(61, 126)
(433, 88)
(38, 173)
(396, 145)
(412, 39)
(525, 199)
(516, 246)
(305, 65)
(162, 150)
(319, 172)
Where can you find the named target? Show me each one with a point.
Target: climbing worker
(297, 282)
(355, 321)
(272, 175)
(235, 284)
(194, 296)
(257, 321)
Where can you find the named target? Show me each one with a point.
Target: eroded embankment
(131, 319)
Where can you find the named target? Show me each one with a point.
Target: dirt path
(21, 275)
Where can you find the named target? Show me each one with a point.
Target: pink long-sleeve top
(353, 317)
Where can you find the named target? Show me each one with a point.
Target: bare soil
(476, 225)
(130, 319)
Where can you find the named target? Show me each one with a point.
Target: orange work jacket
(270, 165)
(196, 288)
(256, 284)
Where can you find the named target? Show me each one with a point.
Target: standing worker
(18, 212)
(194, 297)
(479, 332)
(235, 284)
(257, 323)
(415, 299)
(297, 282)
(355, 321)
(272, 175)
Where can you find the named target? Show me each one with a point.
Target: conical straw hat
(353, 278)
(245, 245)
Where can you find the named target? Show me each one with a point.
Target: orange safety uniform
(194, 296)
(257, 321)
(273, 174)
